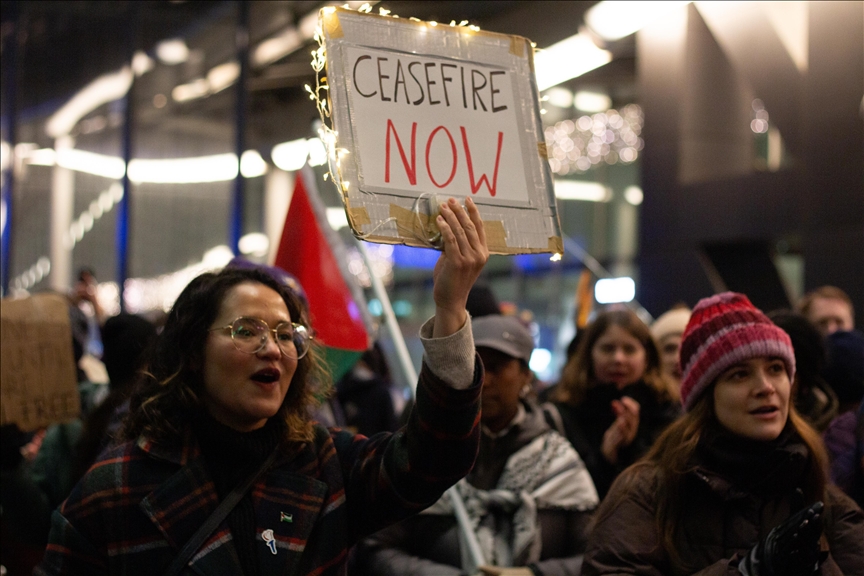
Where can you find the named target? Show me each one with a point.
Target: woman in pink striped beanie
(738, 485)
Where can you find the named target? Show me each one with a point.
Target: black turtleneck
(231, 456)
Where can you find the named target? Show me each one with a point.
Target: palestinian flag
(314, 253)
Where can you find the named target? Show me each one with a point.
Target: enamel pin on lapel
(284, 517)
(267, 535)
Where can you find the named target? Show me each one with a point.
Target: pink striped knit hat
(726, 329)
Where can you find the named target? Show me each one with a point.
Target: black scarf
(762, 467)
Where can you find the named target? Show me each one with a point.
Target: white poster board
(426, 112)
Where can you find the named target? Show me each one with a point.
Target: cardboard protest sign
(38, 384)
(422, 112)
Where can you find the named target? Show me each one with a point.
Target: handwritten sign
(38, 384)
(427, 112)
(433, 124)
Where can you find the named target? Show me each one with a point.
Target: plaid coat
(140, 503)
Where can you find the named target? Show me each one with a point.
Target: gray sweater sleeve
(450, 358)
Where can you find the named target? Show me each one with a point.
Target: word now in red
(411, 167)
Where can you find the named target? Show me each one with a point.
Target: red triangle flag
(308, 251)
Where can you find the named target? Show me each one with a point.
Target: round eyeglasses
(250, 336)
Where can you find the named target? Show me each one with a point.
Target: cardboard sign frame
(524, 220)
(38, 382)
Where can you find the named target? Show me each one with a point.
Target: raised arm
(464, 255)
(410, 470)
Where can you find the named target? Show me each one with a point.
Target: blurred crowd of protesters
(40, 469)
(718, 440)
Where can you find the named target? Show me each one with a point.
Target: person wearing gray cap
(529, 495)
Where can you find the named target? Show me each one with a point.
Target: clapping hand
(622, 432)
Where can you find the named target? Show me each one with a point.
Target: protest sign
(38, 384)
(422, 112)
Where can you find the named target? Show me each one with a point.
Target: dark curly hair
(169, 391)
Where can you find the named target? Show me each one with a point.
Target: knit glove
(790, 549)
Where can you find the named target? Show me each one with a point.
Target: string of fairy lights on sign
(381, 255)
(319, 94)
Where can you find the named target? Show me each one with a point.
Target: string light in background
(381, 256)
(759, 124)
(141, 294)
(575, 146)
(98, 208)
(144, 294)
(79, 227)
(769, 146)
(33, 275)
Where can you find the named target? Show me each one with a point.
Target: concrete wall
(698, 74)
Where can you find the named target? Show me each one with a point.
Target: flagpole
(474, 551)
(313, 252)
(392, 325)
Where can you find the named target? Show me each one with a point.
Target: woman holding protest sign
(223, 472)
(738, 486)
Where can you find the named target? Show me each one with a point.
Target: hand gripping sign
(422, 112)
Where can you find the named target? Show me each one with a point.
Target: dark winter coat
(720, 521)
(140, 503)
